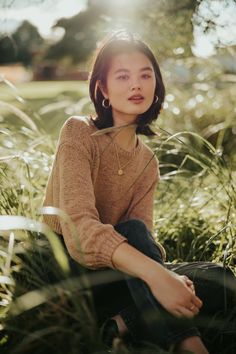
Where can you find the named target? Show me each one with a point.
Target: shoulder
(150, 164)
(78, 124)
(150, 156)
(76, 129)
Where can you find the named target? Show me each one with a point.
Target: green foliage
(200, 99)
(168, 26)
(21, 46)
(45, 309)
(54, 309)
(160, 19)
(201, 188)
(79, 39)
(7, 49)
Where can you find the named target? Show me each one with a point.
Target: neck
(125, 137)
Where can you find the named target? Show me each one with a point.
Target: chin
(140, 111)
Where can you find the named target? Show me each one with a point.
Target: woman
(104, 177)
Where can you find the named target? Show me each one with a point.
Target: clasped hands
(176, 294)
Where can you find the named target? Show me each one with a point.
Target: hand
(189, 283)
(175, 293)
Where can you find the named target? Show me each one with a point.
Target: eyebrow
(146, 68)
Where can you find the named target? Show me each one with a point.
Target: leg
(216, 286)
(110, 298)
(163, 328)
(212, 281)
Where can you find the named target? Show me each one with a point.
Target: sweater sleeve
(96, 241)
(142, 205)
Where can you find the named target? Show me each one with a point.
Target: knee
(222, 274)
(229, 279)
(224, 278)
(137, 225)
(139, 236)
(135, 231)
(131, 227)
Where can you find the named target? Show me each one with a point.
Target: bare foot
(192, 345)
(121, 325)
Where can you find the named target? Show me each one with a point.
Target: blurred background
(46, 49)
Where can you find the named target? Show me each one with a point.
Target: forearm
(129, 260)
(171, 290)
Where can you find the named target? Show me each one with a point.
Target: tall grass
(43, 307)
(201, 189)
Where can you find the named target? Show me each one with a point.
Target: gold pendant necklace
(120, 170)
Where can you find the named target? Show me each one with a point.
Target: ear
(102, 88)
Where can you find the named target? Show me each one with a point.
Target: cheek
(117, 91)
(113, 88)
(151, 91)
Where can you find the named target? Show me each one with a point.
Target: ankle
(121, 324)
(193, 345)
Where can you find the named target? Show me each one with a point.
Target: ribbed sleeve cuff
(108, 247)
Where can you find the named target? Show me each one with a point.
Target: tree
(27, 42)
(80, 36)
(7, 50)
(166, 25)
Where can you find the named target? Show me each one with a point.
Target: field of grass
(48, 103)
(195, 211)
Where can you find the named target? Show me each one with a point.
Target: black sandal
(109, 331)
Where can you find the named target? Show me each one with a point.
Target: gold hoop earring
(104, 103)
(156, 98)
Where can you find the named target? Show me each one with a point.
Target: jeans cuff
(179, 336)
(130, 317)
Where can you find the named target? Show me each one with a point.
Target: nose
(135, 85)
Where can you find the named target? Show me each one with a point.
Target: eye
(123, 77)
(146, 76)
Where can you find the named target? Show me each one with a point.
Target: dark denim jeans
(145, 318)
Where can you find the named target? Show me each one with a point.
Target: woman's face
(130, 86)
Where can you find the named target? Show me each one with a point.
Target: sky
(223, 12)
(44, 13)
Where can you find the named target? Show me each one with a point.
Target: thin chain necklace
(120, 170)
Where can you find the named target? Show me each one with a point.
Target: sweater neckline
(121, 150)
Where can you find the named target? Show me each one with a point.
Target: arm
(95, 241)
(169, 288)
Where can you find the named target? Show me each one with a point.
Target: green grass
(48, 103)
(195, 208)
(43, 89)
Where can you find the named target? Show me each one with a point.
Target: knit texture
(85, 184)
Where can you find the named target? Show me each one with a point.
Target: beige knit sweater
(85, 184)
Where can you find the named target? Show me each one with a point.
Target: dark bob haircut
(117, 43)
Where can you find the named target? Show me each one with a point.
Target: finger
(190, 285)
(197, 302)
(188, 281)
(194, 309)
(192, 288)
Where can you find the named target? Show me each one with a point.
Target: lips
(136, 99)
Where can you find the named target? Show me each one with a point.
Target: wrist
(152, 272)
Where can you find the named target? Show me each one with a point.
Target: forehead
(131, 61)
